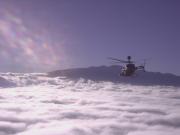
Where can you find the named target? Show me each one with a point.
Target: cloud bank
(61, 106)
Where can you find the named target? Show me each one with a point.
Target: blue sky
(44, 35)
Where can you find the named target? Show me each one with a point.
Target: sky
(46, 35)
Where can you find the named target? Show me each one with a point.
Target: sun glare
(20, 43)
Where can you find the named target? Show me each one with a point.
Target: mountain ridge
(111, 73)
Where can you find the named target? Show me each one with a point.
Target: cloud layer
(51, 106)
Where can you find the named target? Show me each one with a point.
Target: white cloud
(59, 106)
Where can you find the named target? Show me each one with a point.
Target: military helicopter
(130, 67)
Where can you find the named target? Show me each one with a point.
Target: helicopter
(130, 68)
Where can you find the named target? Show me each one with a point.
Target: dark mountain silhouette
(5, 83)
(111, 73)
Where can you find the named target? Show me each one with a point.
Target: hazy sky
(43, 35)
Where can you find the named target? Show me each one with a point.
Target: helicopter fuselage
(129, 70)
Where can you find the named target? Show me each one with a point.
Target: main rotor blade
(115, 59)
(116, 63)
